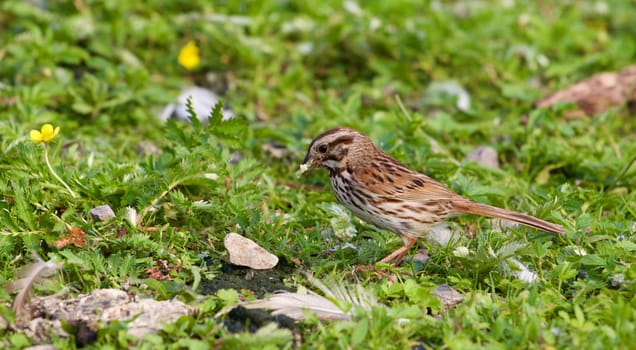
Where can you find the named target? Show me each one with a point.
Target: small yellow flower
(189, 56)
(46, 134)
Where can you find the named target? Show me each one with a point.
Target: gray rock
(421, 256)
(102, 213)
(448, 296)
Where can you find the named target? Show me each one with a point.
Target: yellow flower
(189, 56)
(46, 134)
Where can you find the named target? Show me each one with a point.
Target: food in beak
(303, 169)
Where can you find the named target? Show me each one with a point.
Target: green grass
(103, 71)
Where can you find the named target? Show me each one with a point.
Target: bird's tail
(494, 212)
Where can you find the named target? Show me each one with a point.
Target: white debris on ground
(521, 271)
(45, 314)
(451, 88)
(442, 234)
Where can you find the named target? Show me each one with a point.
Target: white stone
(243, 251)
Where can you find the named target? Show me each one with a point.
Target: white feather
(31, 274)
(295, 305)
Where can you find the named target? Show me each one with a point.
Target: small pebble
(102, 213)
(485, 155)
(148, 148)
(421, 256)
(448, 296)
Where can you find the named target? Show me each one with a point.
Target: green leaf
(19, 340)
(584, 221)
(216, 114)
(196, 274)
(627, 245)
(228, 296)
(23, 207)
(72, 258)
(192, 114)
(158, 287)
(593, 260)
(360, 331)
(419, 294)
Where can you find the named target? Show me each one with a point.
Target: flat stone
(102, 213)
(243, 251)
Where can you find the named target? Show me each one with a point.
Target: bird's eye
(322, 148)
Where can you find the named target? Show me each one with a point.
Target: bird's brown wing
(400, 182)
(396, 182)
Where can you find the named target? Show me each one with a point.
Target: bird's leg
(401, 252)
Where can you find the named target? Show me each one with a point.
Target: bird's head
(334, 149)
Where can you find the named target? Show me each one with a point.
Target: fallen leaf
(160, 270)
(76, 238)
(596, 94)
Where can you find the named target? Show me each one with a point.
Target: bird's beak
(308, 164)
